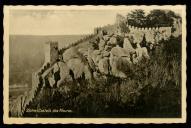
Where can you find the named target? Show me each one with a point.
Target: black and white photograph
(95, 63)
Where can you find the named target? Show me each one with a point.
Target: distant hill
(26, 54)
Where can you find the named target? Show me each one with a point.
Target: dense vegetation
(155, 18)
(153, 89)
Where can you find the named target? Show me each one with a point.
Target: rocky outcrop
(77, 62)
(108, 58)
(177, 27)
(120, 52)
(104, 66)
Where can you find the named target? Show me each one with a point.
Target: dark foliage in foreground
(153, 89)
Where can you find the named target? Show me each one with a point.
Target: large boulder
(108, 48)
(91, 63)
(138, 37)
(98, 58)
(64, 73)
(141, 53)
(95, 56)
(83, 51)
(102, 44)
(70, 53)
(106, 37)
(79, 68)
(177, 26)
(103, 65)
(113, 41)
(120, 52)
(76, 60)
(106, 54)
(97, 52)
(116, 66)
(127, 45)
(51, 81)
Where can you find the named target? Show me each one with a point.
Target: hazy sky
(60, 22)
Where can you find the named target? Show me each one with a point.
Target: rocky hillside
(110, 74)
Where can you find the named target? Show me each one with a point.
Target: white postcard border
(10, 120)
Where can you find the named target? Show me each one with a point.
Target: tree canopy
(155, 18)
(136, 17)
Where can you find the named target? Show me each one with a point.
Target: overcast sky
(60, 22)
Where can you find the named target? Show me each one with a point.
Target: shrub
(152, 89)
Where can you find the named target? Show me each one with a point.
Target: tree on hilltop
(155, 18)
(161, 18)
(158, 18)
(136, 17)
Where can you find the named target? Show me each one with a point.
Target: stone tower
(51, 52)
(120, 19)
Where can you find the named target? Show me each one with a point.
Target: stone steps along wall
(43, 72)
(36, 85)
(109, 28)
(152, 34)
(21, 103)
(77, 42)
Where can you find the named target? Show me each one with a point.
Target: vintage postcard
(94, 64)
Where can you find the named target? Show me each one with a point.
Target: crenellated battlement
(152, 34)
(148, 28)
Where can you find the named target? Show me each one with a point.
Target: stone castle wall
(109, 28)
(152, 34)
